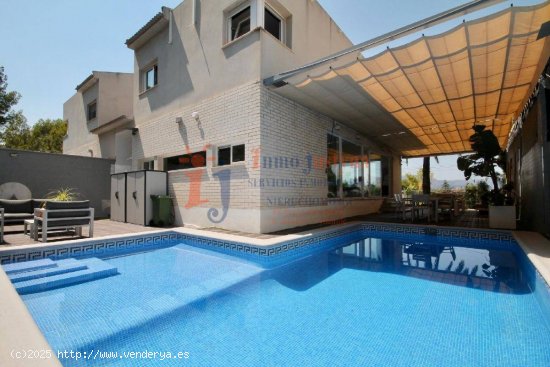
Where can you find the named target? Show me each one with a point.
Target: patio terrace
(14, 236)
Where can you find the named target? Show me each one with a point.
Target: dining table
(424, 201)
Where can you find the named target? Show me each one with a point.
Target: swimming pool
(364, 298)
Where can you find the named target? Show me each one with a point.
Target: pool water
(373, 302)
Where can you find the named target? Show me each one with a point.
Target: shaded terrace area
(424, 97)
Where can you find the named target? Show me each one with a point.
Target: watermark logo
(297, 172)
(225, 193)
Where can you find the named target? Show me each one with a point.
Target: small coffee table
(28, 224)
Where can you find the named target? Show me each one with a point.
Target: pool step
(63, 267)
(65, 273)
(25, 266)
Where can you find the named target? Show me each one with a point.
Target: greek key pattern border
(251, 251)
(456, 233)
(99, 247)
(136, 243)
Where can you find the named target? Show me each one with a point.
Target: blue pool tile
(88, 270)
(61, 267)
(28, 266)
(395, 297)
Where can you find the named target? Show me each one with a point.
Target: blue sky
(48, 47)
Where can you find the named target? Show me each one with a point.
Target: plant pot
(502, 217)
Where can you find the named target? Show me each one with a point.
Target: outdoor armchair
(403, 206)
(446, 204)
(62, 215)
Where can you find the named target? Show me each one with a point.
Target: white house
(251, 146)
(239, 156)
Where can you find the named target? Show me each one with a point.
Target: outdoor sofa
(47, 215)
(17, 211)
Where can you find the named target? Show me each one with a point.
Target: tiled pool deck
(13, 234)
(18, 329)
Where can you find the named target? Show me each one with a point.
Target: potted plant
(487, 157)
(63, 194)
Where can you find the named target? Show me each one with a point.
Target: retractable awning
(424, 97)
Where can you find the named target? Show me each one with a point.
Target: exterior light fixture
(179, 120)
(134, 130)
(195, 115)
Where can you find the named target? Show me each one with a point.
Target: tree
(470, 195)
(45, 136)
(15, 133)
(420, 177)
(7, 99)
(445, 187)
(410, 183)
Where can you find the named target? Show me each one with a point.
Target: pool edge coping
(18, 330)
(537, 249)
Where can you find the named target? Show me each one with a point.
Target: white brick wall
(230, 118)
(260, 197)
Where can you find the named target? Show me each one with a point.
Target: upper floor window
(92, 110)
(150, 77)
(273, 24)
(275, 20)
(239, 23)
(253, 14)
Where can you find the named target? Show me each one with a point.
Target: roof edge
(162, 15)
(117, 122)
(85, 81)
(94, 77)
